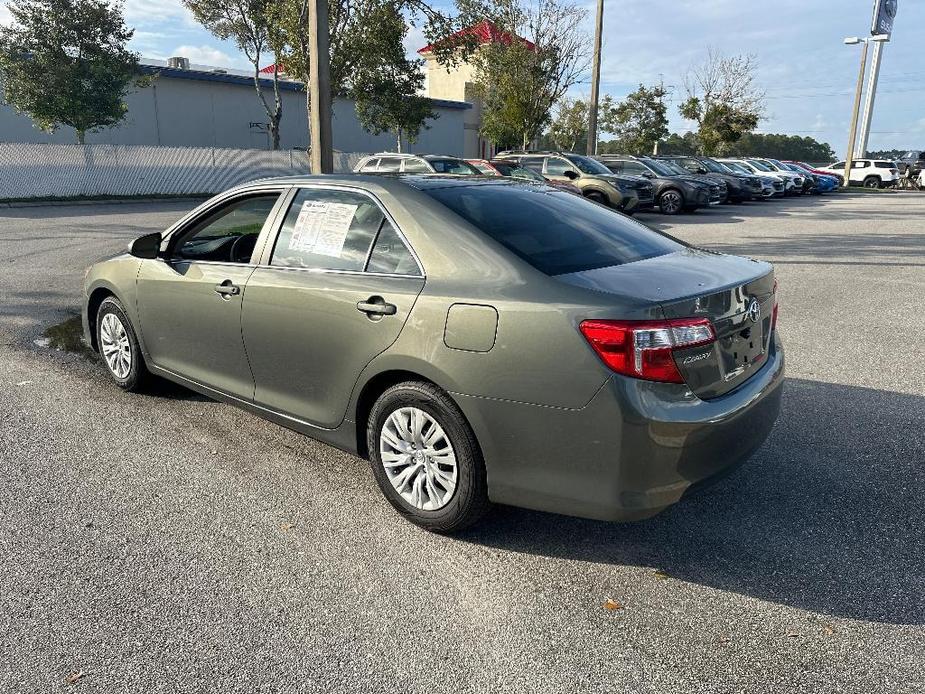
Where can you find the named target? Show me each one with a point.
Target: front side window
(327, 229)
(228, 234)
(573, 235)
(369, 165)
(634, 168)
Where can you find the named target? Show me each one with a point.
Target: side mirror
(647, 174)
(701, 170)
(147, 246)
(570, 175)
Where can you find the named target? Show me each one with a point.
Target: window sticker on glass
(322, 227)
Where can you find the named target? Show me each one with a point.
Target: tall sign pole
(320, 87)
(881, 26)
(595, 80)
(869, 98)
(853, 136)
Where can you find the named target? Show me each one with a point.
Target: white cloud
(206, 55)
(146, 12)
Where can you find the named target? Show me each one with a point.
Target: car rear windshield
(556, 232)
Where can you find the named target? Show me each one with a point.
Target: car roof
(388, 180)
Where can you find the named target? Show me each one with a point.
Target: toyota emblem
(753, 312)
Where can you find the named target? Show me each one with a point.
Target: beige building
(457, 84)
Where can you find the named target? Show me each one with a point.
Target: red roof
(268, 70)
(485, 32)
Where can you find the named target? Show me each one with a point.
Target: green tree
(65, 62)
(568, 130)
(688, 143)
(249, 24)
(783, 147)
(723, 99)
(539, 53)
(638, 121)
(351, 24)
(386, 91)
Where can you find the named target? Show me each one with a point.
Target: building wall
(458, 84)
(183, 112)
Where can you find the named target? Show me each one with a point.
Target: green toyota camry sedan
(477, 340)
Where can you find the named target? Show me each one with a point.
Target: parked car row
(670, 184)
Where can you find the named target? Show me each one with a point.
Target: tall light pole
(852, 137)
(595, 80)
(322, 159)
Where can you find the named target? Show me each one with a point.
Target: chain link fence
(47, 170)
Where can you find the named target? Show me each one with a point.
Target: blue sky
(808, 73)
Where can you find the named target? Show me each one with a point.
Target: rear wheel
(671, 202)
(425, 458)
(871, 182)
(118, 345)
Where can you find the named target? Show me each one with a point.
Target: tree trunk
(308, 121)
(278, 105)
(81, 134)
(398, 149)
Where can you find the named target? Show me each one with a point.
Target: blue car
(824, 183)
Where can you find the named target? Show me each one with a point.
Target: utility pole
(852, 137)
(322, 151)
(595, 80)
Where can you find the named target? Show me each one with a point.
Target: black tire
(671, 201)
(597, 197)
(137, 375)
(469, 501)
(872, 182)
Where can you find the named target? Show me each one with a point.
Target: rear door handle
(376, 306)
(227, 289)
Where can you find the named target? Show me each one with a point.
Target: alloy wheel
(418, 458)
(115, 346)
(671, 202)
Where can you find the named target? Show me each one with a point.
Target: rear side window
(415, 166)
(556, 232)
(533, 163)
(885, 165)
(327, 229)
(370, 165)
(388, 164)
(453, 166)
(390, 254)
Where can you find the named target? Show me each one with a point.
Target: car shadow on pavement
(828, 516)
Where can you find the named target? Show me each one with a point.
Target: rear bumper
(632, 451)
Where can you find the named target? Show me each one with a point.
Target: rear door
(331, 293)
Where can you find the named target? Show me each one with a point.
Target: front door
(189, 302)
(332, 293)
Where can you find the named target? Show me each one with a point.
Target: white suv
(870, 173)
(393, 162)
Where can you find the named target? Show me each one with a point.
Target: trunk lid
(736, 294)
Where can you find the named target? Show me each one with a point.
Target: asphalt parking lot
(168, 543)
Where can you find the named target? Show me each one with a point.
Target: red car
(818, 172)
(502, 167)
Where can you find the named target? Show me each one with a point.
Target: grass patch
(68, 336)
(106, 198)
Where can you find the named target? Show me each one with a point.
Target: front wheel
(426, 459)
(118, 345)
(599, 198)
(871, 182)
(670, 202)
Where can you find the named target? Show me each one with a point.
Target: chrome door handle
(226, 289)
(376, 306)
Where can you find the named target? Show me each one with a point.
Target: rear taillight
(774, 310)
(645, 349)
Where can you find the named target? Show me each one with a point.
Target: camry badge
(753, 312)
